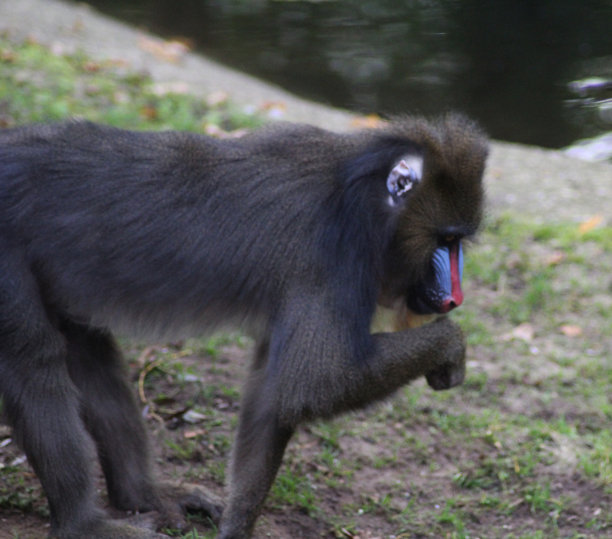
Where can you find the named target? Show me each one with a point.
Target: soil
(538, 184)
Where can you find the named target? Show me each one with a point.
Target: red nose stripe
(456, 297)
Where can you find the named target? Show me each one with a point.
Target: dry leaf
(170, 87)
(590, 224)
(571, 331)
(555, 258)
(148, 112)
(7, 56)
(92, 66)
(522, 332)
(214, 130)
(169, 51)
(217, 98)
(188, 434)
(369, 121)
(117, 62)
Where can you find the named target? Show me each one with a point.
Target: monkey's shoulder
(286, 134)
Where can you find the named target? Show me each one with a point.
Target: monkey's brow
(458, 231)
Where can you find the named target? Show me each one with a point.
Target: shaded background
(508, 64)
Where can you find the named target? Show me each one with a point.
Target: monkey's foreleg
(435, 350)
(310, 385)
(257, 454)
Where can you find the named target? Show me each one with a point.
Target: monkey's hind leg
(41, 403)
(112, 417)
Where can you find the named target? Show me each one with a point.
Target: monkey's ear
(403, 177)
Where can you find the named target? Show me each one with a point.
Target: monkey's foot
(177, 499)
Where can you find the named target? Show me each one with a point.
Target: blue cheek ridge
(442, 269)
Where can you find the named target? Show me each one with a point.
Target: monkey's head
(434, 190)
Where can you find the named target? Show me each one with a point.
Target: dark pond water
(507, 63)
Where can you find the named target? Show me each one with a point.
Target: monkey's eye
(446, 240)
(451, 235)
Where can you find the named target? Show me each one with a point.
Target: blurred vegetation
(37, 85)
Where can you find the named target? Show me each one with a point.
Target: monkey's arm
(310, 373)
(280, 396)
(331, 380)
(325, 382)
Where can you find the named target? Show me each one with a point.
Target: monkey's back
(124, 228)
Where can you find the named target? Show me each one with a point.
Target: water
(509, 64)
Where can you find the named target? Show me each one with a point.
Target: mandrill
(293, 233)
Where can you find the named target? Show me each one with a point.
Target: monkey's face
(439, 207)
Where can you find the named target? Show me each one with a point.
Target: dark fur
(286, 231)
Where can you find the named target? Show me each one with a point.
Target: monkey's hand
(451, 372)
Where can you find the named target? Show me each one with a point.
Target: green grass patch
(293, 488)
(37, 85)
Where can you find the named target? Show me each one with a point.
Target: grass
(37, 85)
(521, 450)
(17, 494)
